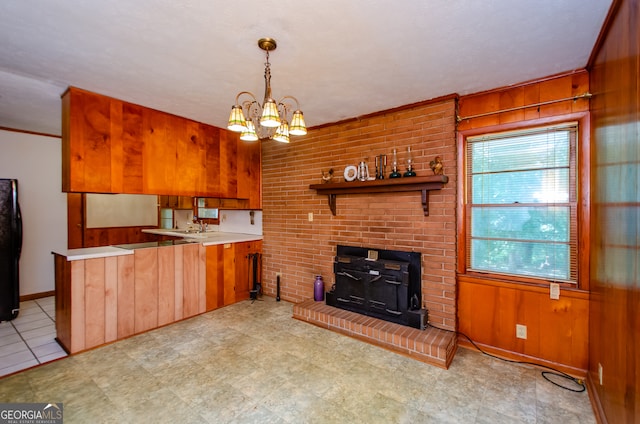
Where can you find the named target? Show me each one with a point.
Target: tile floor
(28, 340)
(253, 363)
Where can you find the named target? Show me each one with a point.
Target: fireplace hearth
(384, 284)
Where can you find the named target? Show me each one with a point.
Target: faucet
(201, 227)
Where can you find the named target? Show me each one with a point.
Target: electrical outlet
(600, 373)
(310, 216)
(554, 291)
(521, 331)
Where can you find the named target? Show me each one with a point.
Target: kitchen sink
(188, 234)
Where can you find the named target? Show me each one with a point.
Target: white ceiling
(340, 58)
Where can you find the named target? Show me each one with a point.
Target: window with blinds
(521, 203)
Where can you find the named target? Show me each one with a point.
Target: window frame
(582, 173)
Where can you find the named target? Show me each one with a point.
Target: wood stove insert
(384, 284)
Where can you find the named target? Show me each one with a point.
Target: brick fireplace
(301, 235)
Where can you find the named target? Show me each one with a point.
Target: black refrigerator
(10, 247)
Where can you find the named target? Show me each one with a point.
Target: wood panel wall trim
(596, 405)
(515, 356)
(525, 83)
(573, 293)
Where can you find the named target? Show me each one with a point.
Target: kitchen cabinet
(104, 299)
(110, 146)
(240, 170)
(175, 202)
(229, 276)
(227, 203)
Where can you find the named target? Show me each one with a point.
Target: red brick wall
(299, 249)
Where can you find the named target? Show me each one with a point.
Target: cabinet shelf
(422, 184)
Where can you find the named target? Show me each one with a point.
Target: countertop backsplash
(239, 221)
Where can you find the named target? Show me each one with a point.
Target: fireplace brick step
(433, 346)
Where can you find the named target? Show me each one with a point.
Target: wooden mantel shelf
(423, 184)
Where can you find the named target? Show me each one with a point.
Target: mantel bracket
(332, 203)
(425, 201)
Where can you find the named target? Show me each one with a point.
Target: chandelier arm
(246, 92)
(281, 101)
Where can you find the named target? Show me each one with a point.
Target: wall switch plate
(554, 291)
(600, 373)
(521, 331)
(310, 216)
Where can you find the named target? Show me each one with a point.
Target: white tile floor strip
(29, 339)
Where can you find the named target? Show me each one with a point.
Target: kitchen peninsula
(109, 293)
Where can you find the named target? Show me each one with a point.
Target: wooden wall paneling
(77, 342)
(111, 299)
(146, 289)
(178, 252)
(215, 277)
(202, 279)
(132, 148)
(166, 285)
(63, 300)
(553, 88)
(556, 329)
(568, 343)
(94, 291)
(614, 333)
(75, 220)
(126, 296)
(191, 280)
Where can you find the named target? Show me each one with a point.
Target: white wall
(36, 162)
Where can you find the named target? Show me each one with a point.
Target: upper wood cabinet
(110, 146)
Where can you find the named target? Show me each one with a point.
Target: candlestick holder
(394, 166)
(381, 166)
(409, 160)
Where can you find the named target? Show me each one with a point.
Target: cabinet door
(110, 146)
(228, 164)
(215, 277)
(244, 268)
(240, 169)
(220, 276)
(249, 169)
(229, 273)
(86, 142)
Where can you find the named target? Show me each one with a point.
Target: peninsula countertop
(206, 239)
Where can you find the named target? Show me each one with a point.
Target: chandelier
(255, 121)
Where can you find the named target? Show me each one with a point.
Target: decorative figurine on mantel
(327, 176)
(410, 172)
(436, 166)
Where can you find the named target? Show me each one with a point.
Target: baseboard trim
(37, 295)
(594, 397)
(515, 356)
